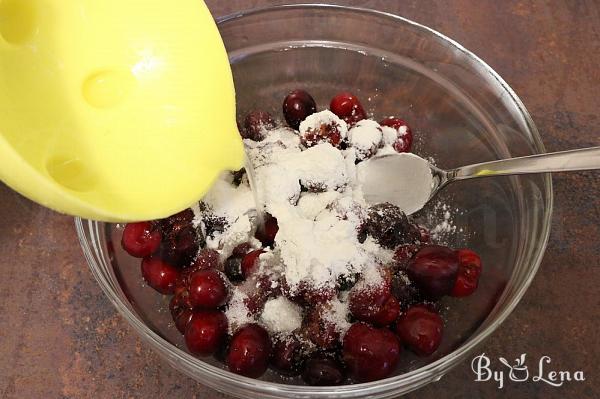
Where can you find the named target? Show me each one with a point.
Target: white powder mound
(346, 208)
(280, 315)
(237, 312)
(318, 251)
(321, 167)
(311, 204)
(278, 184)
(365, 138)
(236, 206)
(316, 120)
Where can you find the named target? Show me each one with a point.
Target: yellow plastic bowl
(114, 110)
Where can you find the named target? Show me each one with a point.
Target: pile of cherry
(401, 311)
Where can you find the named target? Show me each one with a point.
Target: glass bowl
(461, 112)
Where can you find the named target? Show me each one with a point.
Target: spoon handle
(564, 161)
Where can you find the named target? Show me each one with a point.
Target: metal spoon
(410, 182)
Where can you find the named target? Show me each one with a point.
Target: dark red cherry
(323, 371)
(469, 270)
(347, 106)
(256, 125)
(242, 249)
(267, 234)
(141, 239)
(181, 311)
(404, 136)
(249, 351)
(159, 275)
(288, 356)
(434, 269)
(250, 262)
(370, 353)
(205, 332)
(208, 289)
(297, 106)
(367, 302)
(319, 329)
(420, 328)
(388, 313)
(207, 259)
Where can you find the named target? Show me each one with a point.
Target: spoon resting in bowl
(410, 182)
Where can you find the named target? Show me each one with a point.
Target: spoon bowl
(417, 181)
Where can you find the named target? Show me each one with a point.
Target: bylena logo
(519, 372)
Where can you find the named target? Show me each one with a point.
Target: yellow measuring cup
(114, 110)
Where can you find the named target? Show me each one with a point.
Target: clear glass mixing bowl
(461, 111)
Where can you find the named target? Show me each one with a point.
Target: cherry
(366, 302)
(320, 330)
(469, 270)
(208, 289)
(250, 262)
(180, 245)
(388, 313)
(307, 293)
(420, 328)
(258, 290)
(347, 106)
(389, 226)
(159, 275)
(256, 124)
(402, 289)
(404, 253)
(370, 353)
(404, 139)
(267, 234)
(181, 311)
(323, 371)
(249, 351)
(242, 249)
(205, 332)
(297, 106)
(316, 295)
(434, 269)
(207, 259)
(288, 357)
(140, 239)
(323, 133)
(176, 222)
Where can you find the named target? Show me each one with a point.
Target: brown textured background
(60, 338)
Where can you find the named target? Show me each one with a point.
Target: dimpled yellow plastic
(115, 110)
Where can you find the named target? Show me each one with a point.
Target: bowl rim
(424, 373)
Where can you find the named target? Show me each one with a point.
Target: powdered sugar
(280, 315)
(237, 312)
(316, 120)
(446, 226)
(320, 168)
(338, 315)
(365, 138)
(317, 198)
(235, 205)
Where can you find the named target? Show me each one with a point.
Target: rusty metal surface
(61, 338)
